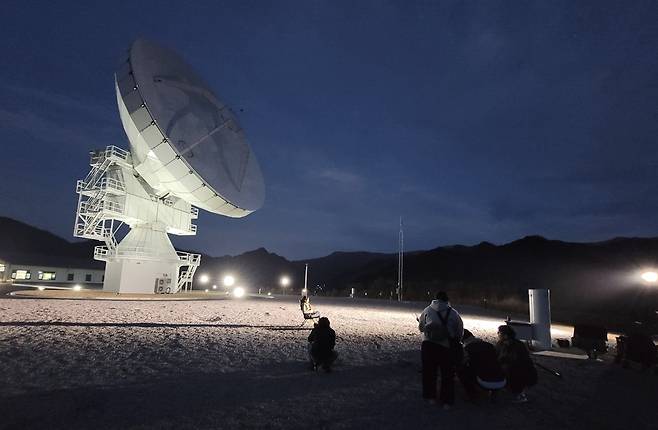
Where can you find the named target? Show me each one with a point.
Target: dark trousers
(517, 380)
(436, 356)
(468, 379)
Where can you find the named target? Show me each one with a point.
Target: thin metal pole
(400, 262)
(305, 278)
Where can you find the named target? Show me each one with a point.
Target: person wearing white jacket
(442, 329)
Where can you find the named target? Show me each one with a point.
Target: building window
(88, 277)
(47, 276)
(20, 274)
(69, 277)
(2, 268)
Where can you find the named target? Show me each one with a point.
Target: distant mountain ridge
(21, 243)
(600, 278)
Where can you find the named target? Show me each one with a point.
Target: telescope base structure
(145, 262)
(140, 276)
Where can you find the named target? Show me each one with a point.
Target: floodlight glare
(77, 288)
(285, 281)
(229, 280)
(650, 277)
(214, 287)
(204, 278)
(238, 292)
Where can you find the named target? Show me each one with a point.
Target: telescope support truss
(144, 261)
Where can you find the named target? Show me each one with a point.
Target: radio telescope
(187, 151)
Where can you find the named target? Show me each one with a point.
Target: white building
(51, 270)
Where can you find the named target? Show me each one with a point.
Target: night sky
(473, 120)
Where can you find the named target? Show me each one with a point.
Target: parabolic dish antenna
(188, 142)
(186, 149)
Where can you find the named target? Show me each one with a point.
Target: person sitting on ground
(322, 341)
(515, 360)
(480, 367)
(442, 329)
(307, 309)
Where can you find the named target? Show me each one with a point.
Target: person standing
(442, 329)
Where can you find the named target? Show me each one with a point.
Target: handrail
(102, 205)
(110, 151)
(104, 184)
(188, 257)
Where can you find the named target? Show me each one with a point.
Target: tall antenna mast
(400, 262)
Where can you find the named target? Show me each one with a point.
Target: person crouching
(480, 368)
(515, 360)
(322, 341)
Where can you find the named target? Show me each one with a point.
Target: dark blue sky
(473, 120)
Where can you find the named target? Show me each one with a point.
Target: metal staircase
(190, 262)
(97, 215)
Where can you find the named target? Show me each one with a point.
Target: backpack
(437, 331)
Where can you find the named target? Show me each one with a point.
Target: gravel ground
(241, 364)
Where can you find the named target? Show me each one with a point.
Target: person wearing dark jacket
(480, 367)
(515, 360)
(322, 341)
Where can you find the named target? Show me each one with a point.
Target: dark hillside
(596, 282)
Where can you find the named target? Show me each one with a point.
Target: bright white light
(229, 280)
(77, 288)
(269, 294)
(650, 277)
(204, 278)
(206, 290)
(214, 287)
(238, 292)
(285, 281)
(42, 288)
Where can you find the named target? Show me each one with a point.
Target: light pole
(400, 261)
(305, 290)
